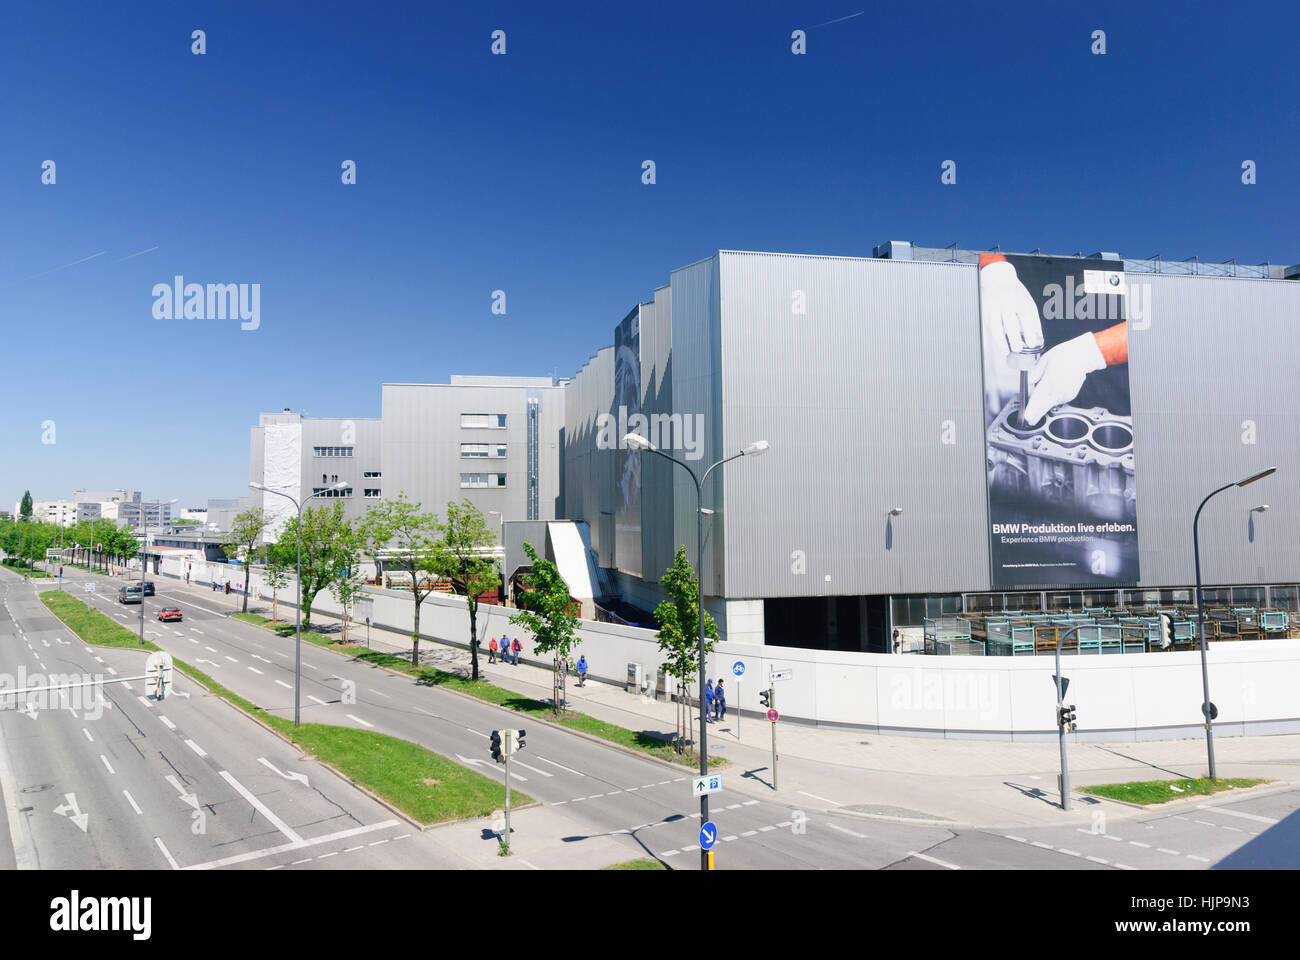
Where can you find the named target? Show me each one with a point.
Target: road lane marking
(87, 733)
(815, 797)
(286, 847)
(264, 660)
(1068, 853)
(935, 860)
(1172, 853)
(749, 833)
(1192, 856)
(131, 800)
(728, 839)
(145, 702)
(256, 671)
(1098, 860)
(231, 659)
(210, 649)
(283, 684)
(317, 700)
(107, 764)
(170, 859)
(366, 723)
(765, 829)
(1236, 813)
(851, 833)
(1039, 843)
(384, 695)
(537, 770)
(1137, 843)
(196, 748)
(197, 630)
(566, 769)
(167, 723)
(261, 808)
(749, 803)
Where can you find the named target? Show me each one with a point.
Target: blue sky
(522, 173)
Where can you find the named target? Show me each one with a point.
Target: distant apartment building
(107, 501)
(300, 456)
(133, 514)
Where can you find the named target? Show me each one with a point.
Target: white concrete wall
(1119, 697)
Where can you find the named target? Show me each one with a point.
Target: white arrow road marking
(489, 765)
(69, 809)
(288, 776)
(261, 808)
(30, 710)
(190, 798)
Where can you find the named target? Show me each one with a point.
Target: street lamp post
(637, 442)
(1200, 612)
(297, 612)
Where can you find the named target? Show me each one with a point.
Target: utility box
(634, 678)
(661, 686)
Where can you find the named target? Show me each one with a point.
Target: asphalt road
(602, 789)
(123, 781)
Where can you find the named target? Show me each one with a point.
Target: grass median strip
(642, 864)
(427, 787)
(643, 741)
(279, 626)
(1162, 791)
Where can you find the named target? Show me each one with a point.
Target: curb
(1201, 799)
(531, 719)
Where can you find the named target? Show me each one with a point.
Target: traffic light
(519, 740)
(765, 697)
(1067, 717)
(1166, 631)
(496, 747)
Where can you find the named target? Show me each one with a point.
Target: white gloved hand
(1059, 375)
(1011, 325)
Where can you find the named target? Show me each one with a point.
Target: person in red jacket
(492, 650)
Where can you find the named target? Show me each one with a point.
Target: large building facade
(872, 510)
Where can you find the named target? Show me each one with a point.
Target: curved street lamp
(1200, 611)
(297, 612)
(636, 442)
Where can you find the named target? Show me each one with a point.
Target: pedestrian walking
(582, 670)
(514, 649)
(719, 702)
(492, 650)
(708, 702)
(214, 585)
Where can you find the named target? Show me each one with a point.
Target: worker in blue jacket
(582, 670)
(708, 702)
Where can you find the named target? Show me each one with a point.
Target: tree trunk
(415, 634)
(248, 575)
(275, 606)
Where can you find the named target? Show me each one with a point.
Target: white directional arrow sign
(69, 809)
(288, 776)
(189, 798)
(29, 710)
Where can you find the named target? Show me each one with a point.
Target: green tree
(414, 539)
(464, 555)
(679, 631)
(241, 543)
(276, 574)
(546, 611)
(25, 509)
(348, 584)
(326, 541)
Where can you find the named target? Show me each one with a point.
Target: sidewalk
(927, 779)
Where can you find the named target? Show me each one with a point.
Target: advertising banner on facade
(627, 463)
(1058, 424)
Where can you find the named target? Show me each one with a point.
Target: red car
(169, 613)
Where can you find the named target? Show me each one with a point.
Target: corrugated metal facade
(855, 395)
(657, 544)
(1216, 364)
(422, 434)
(589, 471)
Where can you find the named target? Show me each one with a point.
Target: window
(480, 480)
(327, 492)
(332, 451)
(372, 494)
(491, 421)
(496, 451)
(372, 474)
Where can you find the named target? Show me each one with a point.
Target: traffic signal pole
(509, 736)
(771, 699)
